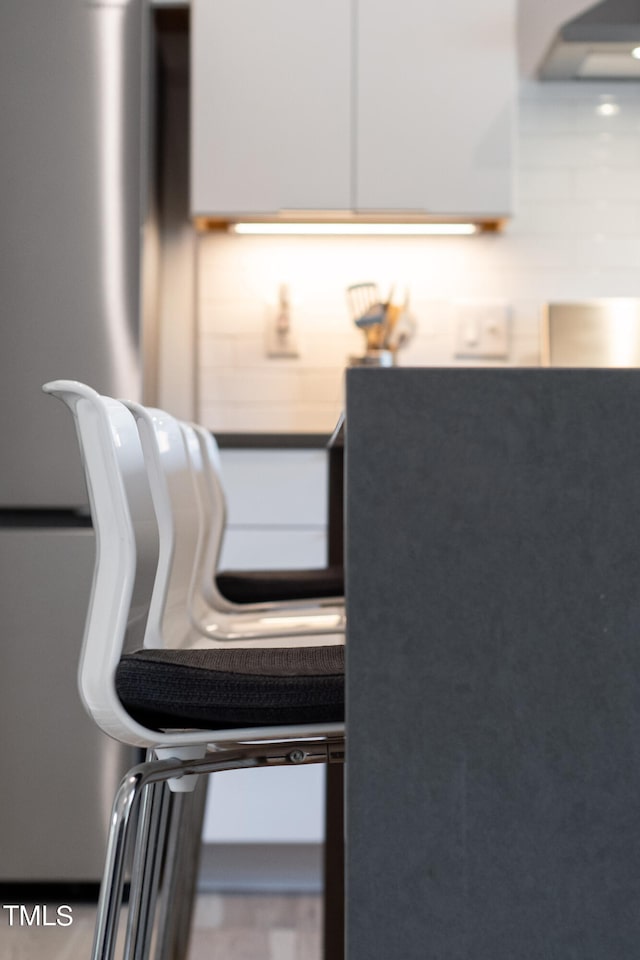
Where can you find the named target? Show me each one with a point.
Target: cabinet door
(276, 509)
(435, 90)
(271, 105)
(275, 488)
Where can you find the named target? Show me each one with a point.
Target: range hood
(597, 45)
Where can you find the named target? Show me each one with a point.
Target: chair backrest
(189, 507)
(204, 460)
(213, 461)
(178, 515)
(127, 550)
(191, 528)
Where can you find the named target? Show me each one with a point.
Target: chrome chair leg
(241, 756)
(168, 900)
(180, 874)
(145, 875)
(110, 900)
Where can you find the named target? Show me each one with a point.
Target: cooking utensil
(362, 297)
(375, 336)
(402, 332)
(401, 326)
(391, 315)
(374, 315)
(386, 325)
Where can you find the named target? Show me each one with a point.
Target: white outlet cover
(483, 330)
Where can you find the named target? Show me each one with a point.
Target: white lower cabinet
(273, 549)
(277, 508)
(281, 805)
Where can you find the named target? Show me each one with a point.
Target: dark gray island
(493, 686)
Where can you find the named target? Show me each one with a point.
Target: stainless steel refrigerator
(75, 281)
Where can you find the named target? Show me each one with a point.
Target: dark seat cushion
(263, 586)
(221, 688)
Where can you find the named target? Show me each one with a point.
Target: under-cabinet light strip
(355, 229)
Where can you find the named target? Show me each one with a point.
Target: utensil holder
(374, 358)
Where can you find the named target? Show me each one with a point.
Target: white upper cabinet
(271, 106)
(353, 105)
(435, 101)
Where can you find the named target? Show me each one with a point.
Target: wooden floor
(255, 927)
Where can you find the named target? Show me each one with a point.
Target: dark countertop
(493, 664)
(272, 441)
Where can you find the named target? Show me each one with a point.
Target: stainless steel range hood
(597, 45)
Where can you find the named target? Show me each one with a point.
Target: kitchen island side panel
(493, 676)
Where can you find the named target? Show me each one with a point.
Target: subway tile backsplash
(575, 235)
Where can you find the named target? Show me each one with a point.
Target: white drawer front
(275, 487)
(262, 549)
(282, 805)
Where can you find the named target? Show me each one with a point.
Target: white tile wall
(575, 235)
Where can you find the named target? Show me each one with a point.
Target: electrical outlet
(483, 331)
(281, 342)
